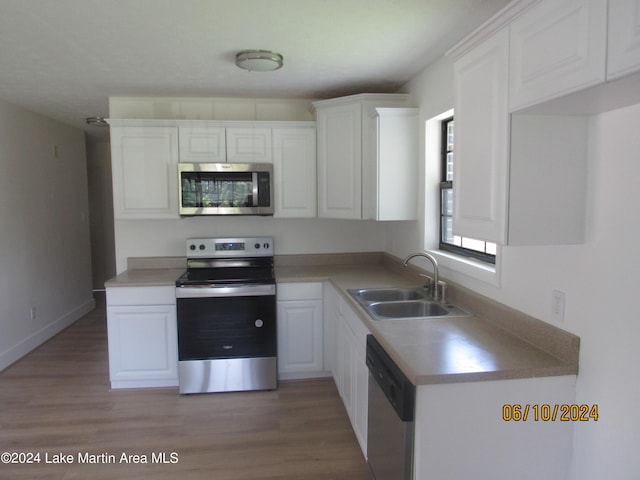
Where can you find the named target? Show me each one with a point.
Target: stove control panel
(229, 247)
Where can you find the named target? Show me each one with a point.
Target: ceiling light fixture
(97, 121)
(259, 60)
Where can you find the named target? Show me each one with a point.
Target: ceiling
(64, 58)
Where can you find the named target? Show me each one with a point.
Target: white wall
(44, 230)
(599, 278)
(103, 255)
(144, 238)
(432, 91)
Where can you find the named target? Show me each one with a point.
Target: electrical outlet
(32, 313)
(557, 305)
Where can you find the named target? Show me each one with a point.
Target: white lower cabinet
(358, 376)
(349, 368)
(300, 330)
(478, 430)
(143, 338)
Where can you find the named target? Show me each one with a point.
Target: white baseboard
(162, 383)
(36, 339)
(302, 375)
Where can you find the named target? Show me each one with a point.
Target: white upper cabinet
(482, 140)
(347, 154)
(390, 169)
(518, 179)
(340, 161)
(202, 142)
(199, 143)
(624, 38)
(249, 145)
(557, 47)
(145, 156)
(294, 167)
(144, 164)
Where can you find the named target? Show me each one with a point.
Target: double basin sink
(403, 303)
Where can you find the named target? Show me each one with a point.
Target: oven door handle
(206, 291)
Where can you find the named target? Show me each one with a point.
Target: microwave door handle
(254, 199)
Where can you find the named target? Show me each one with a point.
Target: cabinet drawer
(299, 291)
(141, 295)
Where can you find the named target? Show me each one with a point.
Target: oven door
(227, 338)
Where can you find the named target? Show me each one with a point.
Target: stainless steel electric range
(226, 308)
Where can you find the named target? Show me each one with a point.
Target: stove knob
(266, 245)
(259, 323)
(257, 246)
(192, 247)
(202, 247)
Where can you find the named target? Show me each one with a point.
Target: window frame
(445, 185)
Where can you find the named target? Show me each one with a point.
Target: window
(478, 249)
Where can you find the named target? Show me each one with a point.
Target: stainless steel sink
(413, 309)
(403, 303)
(388, 294)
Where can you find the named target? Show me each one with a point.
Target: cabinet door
(143, 346)
(557, 47)
(300, 337)
(331, 315)
(340, 161)
(361, 397)
(623, 49)
(390, 166)
(145, 172)
(347, 369)
(482, 141)
(202, 144)
(249, 145)
(356, 373)
(294, 167)
(465, 417)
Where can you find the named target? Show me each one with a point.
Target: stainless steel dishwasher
(390, 420)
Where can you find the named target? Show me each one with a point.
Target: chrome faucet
(436, 281)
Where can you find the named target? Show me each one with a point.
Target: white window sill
(469, 267)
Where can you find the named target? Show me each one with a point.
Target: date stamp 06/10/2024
(573, 412)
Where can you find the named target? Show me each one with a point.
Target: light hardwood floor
(56, 401)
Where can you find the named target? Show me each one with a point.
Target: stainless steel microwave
(225, 188)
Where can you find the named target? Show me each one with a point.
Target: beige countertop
(146, 277)
(439, 350)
